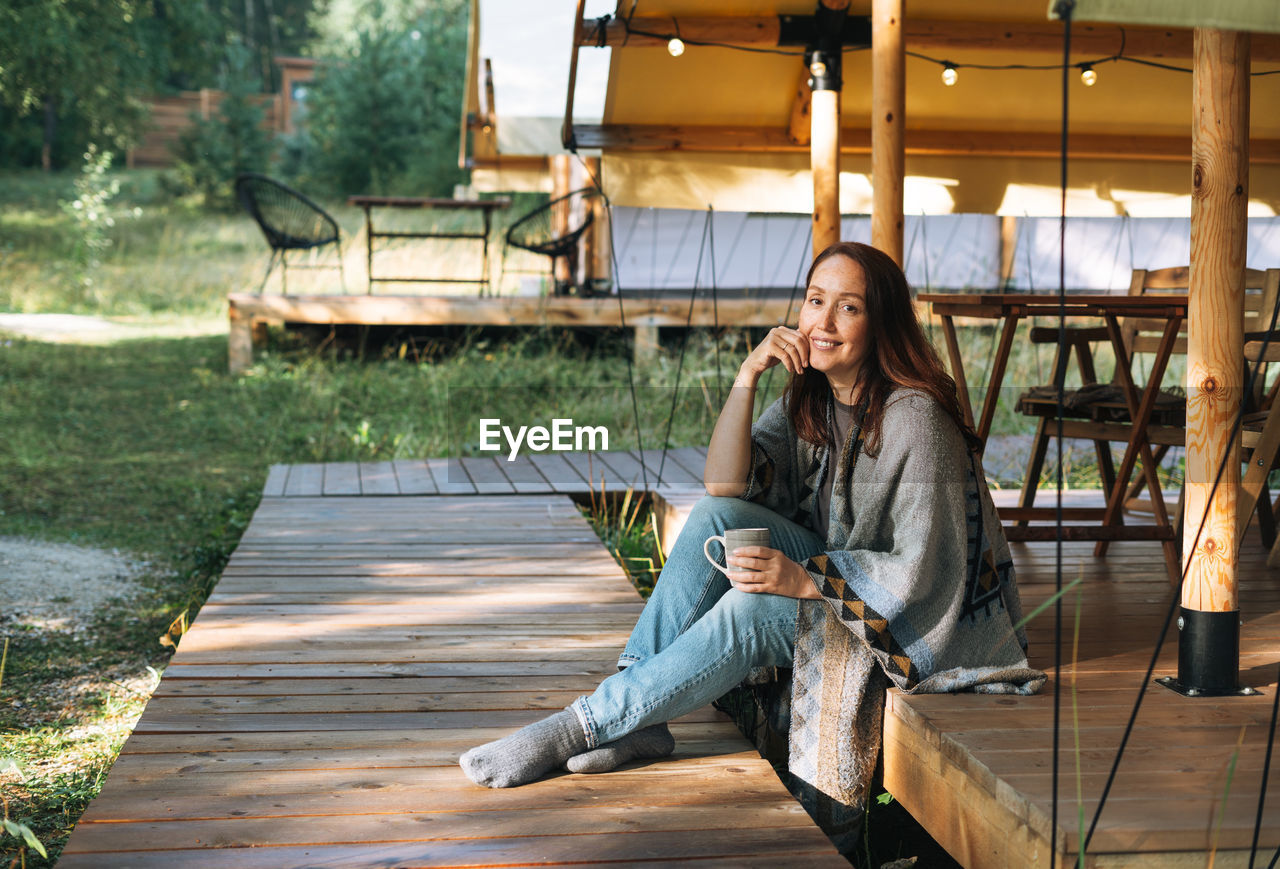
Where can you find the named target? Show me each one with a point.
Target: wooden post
(239, 341)
(646, 344)
(595, 241)
(1215, 313)
(1008, 249)
(798, 131)
(561, 170)
(888, 105)
(825, 79)
(824, 157)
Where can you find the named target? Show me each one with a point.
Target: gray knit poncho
(918, 592)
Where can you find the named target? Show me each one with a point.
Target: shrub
(214, 150)
(382, 115)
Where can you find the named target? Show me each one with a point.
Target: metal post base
(1208, 655)
(1175, 685)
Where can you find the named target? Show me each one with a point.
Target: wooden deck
(976, 770)
(642, 313)
(354, 648)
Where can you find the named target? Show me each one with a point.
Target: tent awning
(1259, 16)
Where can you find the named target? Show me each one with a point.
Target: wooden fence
(171, 117)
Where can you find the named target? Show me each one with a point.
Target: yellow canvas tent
(725, 124)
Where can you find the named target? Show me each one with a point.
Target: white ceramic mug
(732, 539)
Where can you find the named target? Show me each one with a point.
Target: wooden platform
(355, 646)
(641, 313)
(976, 770)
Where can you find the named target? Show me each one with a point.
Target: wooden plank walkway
(530, 473)
(355, 646)
(353, 649)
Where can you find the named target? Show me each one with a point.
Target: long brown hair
(900, 357)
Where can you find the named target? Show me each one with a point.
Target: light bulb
(949, 75)
(675, 47)
(1088, 76)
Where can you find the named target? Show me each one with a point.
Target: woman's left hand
(769, 572)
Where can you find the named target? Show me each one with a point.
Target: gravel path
(58, 586)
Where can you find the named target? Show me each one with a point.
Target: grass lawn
(148, 446)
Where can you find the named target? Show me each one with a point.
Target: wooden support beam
(888, 108)
(1215, 345)
(470, 96)
(595, 241)
(1087, 40)
(801, 111)
(530, 162)
(824, 159)
(561, 173)
(566, 128)
(824, 125)
(1008, 248)
(855, 140)
(646, 345)
(490, 111)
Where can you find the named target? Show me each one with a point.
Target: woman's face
(834, 319)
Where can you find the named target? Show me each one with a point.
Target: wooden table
(1011, 308)
(486, 207)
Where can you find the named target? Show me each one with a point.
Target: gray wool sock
(526, 754)
(652, 741)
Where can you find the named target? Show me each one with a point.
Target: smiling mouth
(823, 345)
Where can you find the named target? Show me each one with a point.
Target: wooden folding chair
(1260, 433)
(1102, 414)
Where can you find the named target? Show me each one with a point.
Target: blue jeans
(698, 636)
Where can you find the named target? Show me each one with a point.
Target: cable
(924, 245)
(1118, 57)
(1173, 604)
(688, 322)
(752, 49)
(1041, 67)
(791, 300)
(715, 303)
(1266, 768)
(1063, 11)
(599, 35)
(622, 322)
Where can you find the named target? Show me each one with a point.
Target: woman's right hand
(782, 345)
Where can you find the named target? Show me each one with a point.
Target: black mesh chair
(290, 222)
(554, 229)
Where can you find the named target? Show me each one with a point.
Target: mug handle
(723, 544)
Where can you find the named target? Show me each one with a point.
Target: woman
(887, 565)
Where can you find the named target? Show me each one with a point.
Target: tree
(85, 52)
(213, 151)
(383, 113)
(84, 67)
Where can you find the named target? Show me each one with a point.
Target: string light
(1088, 76)
(950, 74)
